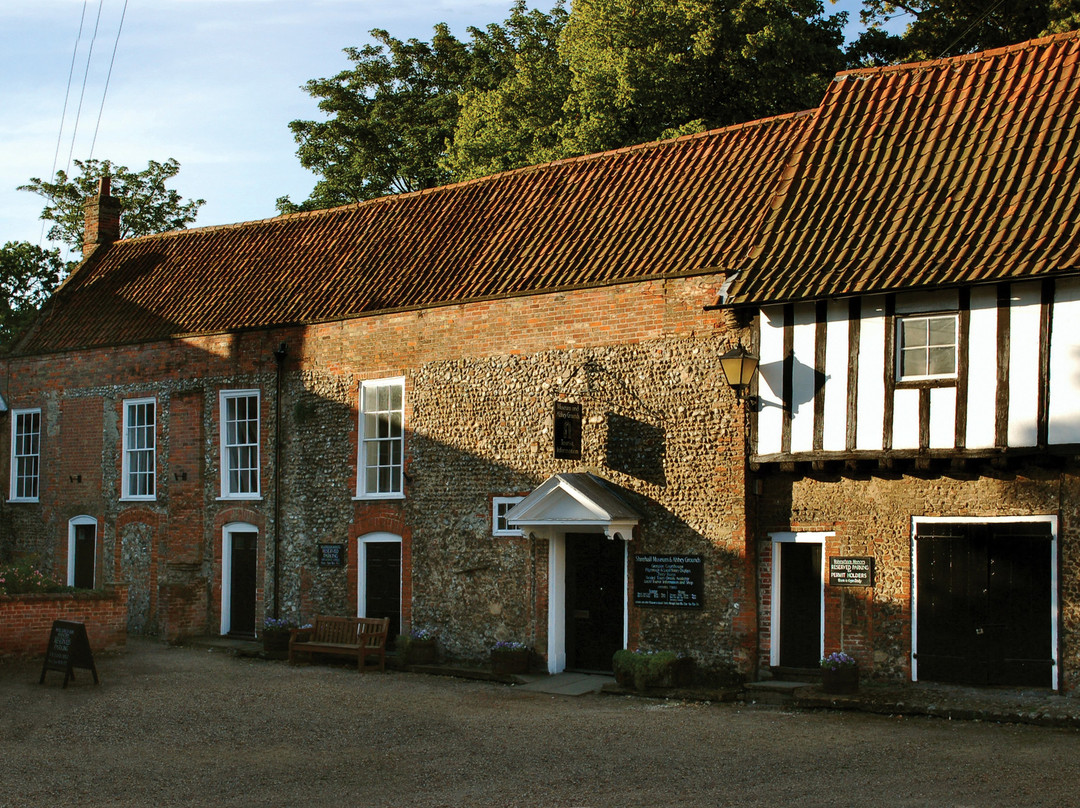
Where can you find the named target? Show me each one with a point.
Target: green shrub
(645, 669)
(23, 578)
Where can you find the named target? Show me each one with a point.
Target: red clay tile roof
(655, 210)
(956, 171)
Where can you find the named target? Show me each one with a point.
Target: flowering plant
(509, 645)
(837, 660)
(422, 634)
(23, 578)
(273, 625)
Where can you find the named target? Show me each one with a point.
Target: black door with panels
(983, 612)
(800, 604)
(382, 583)
(595, 599)
(243, 579)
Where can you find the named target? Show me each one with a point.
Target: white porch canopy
(571, 503)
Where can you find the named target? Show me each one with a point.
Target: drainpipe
(279, 355)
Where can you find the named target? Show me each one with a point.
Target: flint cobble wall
(872, 516)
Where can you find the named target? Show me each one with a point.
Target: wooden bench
(359, 637)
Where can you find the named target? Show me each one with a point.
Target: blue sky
(212, 83)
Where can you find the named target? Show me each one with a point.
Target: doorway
(595, 600)
(985, 602)
(239, 579)
(798, 600)
(379, 580)
(82, 552)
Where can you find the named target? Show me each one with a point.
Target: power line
(108, 76)
(82, 94)
(63, 114)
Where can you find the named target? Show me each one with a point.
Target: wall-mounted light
(739, 367)
(3, 405)
(180, 475)
(74, 478)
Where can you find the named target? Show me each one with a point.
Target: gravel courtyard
(189, 727)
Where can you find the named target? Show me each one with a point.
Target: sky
(211, 83)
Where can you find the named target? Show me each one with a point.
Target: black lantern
(739, 367)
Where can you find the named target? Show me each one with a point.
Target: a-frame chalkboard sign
(68, 648)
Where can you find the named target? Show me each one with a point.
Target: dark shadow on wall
(636, 448)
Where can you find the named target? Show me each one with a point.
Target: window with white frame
(500, 506)
(382, 439)
(25, 455)
(240, 443)
(927, 347)
(140, 444)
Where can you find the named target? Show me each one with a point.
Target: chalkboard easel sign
(69, 648)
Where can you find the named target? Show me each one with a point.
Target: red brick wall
(27, 619)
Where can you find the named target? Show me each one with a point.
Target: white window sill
(24, 501)
(240, 498)
(138, 499)
(376, 497)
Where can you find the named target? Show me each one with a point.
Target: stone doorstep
(773, 691)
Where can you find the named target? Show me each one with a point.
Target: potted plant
(839, 673)
(420, 647)
(275, 637)
(644, 669)
(509, 657)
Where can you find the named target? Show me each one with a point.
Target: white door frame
(226, 569)
(72, 523)
(557, 597)
(361, 570)
(774, 618)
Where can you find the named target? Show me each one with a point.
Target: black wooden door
(984, 598)
(382, 583)
(85, 551)
(595, 599)
(800, 604)
(244, 556)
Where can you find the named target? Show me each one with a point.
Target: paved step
(773, 691)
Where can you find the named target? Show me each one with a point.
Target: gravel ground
(190, 727)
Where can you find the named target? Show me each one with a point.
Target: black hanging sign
(567, 430)
(669, 580)
(851, 571)
(331, 555)
(69, 648)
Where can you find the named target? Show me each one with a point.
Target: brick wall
(27, 619)
(481, 380)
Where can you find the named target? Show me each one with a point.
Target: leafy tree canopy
(545, 85)
(28, 275)
(146, 205)
(941, 28)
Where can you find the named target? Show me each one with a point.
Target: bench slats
(343, 636)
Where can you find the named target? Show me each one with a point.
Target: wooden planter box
(506, 662)
(422, 652)
(842, 681)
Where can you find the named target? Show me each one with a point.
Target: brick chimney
(102, 222)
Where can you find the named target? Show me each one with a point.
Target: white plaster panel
(1064, 410)
(837, 354)
(982, 368)
(870, 412)
(906, 419)
(771, 381)
(942, 417)
(803, 378)
(1023, 363)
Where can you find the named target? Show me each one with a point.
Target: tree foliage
(941, 28)
(544, 85)
(146, 205)
(646, 69)
(28, 275)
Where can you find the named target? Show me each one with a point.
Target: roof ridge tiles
(866, 73)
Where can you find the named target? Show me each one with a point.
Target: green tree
(512, 116)
(389, 118)
(146, 205)
(28, 275)
(940, 28)
(647, 69)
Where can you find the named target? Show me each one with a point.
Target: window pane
(913, 333)
(913, 363)
(942, 361)
(942, 331)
